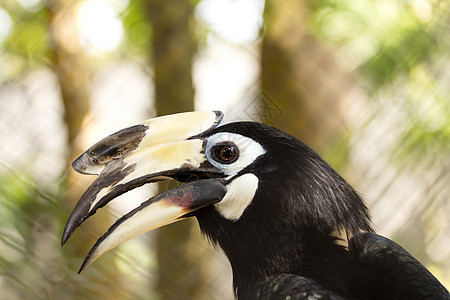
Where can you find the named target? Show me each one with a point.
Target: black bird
(291, 227)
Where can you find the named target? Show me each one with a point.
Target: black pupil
(226, 152)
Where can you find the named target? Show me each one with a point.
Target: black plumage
(285, 245)
(305, 233)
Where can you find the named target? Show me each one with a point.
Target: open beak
(169, 147)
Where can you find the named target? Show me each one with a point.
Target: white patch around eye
(238, 197)
(249, 151)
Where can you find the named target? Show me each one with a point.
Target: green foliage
(28, 220)
(138, 30)
(398, 56)
(428, 111)
(28, 44)
(399, 50)
(32, 263)
(384, 39)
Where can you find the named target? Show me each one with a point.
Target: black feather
(284, 246)
(389, 271)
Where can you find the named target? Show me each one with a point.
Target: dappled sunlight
(5, 25)
(234, 21)
(99, 25)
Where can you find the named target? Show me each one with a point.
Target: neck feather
(299, 205)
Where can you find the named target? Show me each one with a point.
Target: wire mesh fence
(391, 143)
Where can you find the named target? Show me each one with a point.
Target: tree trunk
(181, 274)
(173, 50)
(73, 72)
(303, 87)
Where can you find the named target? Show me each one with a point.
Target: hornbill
(291, 227)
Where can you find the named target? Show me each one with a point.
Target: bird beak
(169, 147)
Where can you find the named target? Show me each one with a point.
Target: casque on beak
(168, 147)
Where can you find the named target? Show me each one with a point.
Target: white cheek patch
(249, 151)
(238, 197)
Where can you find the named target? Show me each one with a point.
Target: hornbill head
(244, 181)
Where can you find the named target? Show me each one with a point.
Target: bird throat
(239, 196)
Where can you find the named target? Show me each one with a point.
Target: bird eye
(225, 153)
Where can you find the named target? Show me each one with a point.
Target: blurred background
(364, 83)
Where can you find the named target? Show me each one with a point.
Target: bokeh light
(5, 25)
(237, 21)
(99, 25)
